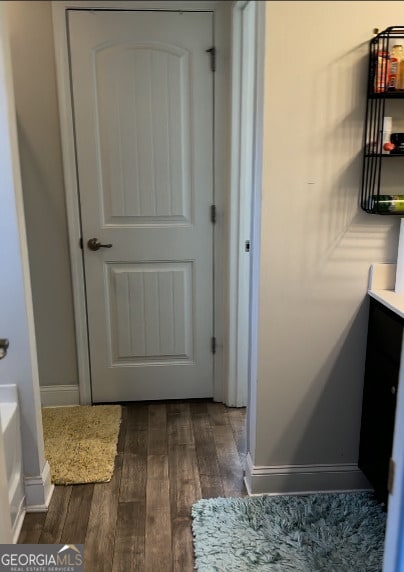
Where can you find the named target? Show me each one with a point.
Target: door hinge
(390, 481)
(212, 52)
(213, 214)
(213, 344)
(81, 243)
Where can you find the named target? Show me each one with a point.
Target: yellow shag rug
(81, 442)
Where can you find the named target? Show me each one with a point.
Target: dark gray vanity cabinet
(385, 332)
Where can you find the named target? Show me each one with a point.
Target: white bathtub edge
(8, 409)
(8, 393)
(19, 520)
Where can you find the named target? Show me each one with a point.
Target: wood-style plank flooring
(169, 455)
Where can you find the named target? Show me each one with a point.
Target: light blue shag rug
(341, 532)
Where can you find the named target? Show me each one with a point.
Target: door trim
(254, 303)
(221, 13)
(242, 176)
(248, 20)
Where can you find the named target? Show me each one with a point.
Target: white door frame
(255, 260)
(244, 147)
(222, 195)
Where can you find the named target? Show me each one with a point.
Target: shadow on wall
(343, 232)
(45, 215)
(332, 240)
(319, 411)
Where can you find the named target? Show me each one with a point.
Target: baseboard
(295, 479)
(59, 395)
(38, 491)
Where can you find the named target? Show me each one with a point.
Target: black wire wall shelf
(387, 94)
(385, 84)
(390, 156)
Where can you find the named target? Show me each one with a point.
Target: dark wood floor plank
(204, 441)
(229, 462)
(56, 515)
(237, 418)
(78, 512)
(137, 416)
(129, 550)
(185, 485)
(183, 553)
(211, 487)
(179, 425)
(180, 409)
(136, 437)
(135, 441)
(157, 467)
(157, 433)
(217, 413)
(231, 471)
(158, 551)
(169, 456)
(133, 479)
(100, 540)
(32, 528)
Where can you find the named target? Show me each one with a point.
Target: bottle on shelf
(382, 68)
(387, 203)
(386, 134)
(396, 68)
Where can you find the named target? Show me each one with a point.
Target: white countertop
(381, 287)
(390, 299)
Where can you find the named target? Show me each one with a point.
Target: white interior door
(143, 114)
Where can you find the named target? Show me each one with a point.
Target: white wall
(316, 243)
(33, 60)
(16, 316)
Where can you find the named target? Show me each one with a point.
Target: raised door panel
(150, 312)
(143, 133)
